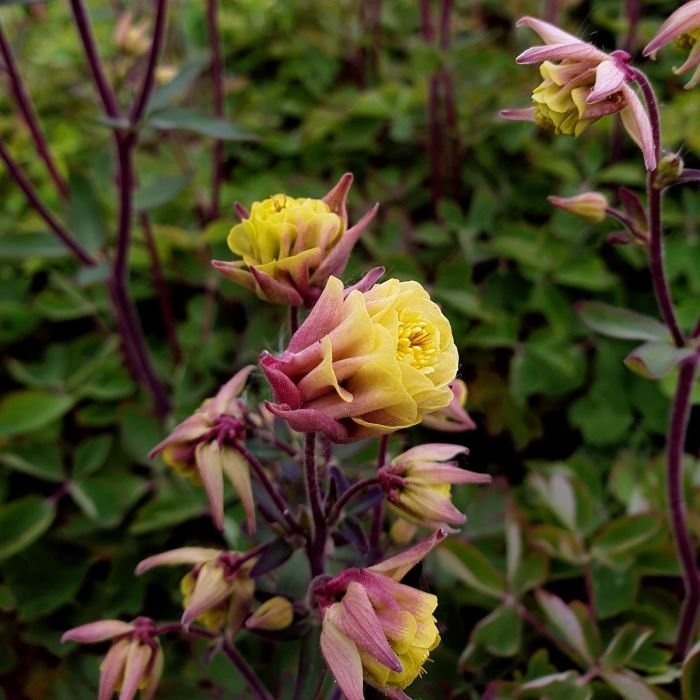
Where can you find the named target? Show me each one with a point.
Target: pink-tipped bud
(274, 614)
(453, 418)
(668, 171)
(590, 206)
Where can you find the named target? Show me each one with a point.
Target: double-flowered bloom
(201, 448)
(133, 663)
(683, 28)
(367, 361)
(289, 246)
(418, 482)
(376, 629)
(580, 84)
(217, 591)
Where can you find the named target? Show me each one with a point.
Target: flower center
(279, 202)
(685, 42)
(416, 343)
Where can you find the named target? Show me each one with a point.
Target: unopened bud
(274, 614)
(590, 206)
(668, 171)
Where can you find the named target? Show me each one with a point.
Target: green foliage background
(573, 438)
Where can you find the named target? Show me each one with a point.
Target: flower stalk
(316, 547)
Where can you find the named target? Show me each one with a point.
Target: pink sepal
(561, 52)
(636, 121)
(547, 32)
(231, 389)
(210, 589)
(343, 659)
(190, 429)
(395, 694)
(97, 631)
(241, 211)
(337, 197)
(134, 670)
(434, 451)
(284, 391)
(681, 21)
(112, 668)
(609, 78)
(398, 566)
(522, 114)
(276, 291)
(369, 279)
(306, 420)
(208, 458)
(177, 557)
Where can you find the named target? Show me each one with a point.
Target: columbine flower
(683, 28)
(201, 448)
(217, 591)
(274, 614)
(377, 629)
(365, 362)
(585, 85)
(418, 482)
(591, 206)
(134, 661)
(291, 246)
(453, 418)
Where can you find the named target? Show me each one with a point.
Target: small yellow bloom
(274, 614)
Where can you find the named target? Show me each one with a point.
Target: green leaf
(566, 623)
(85, 218)
(190, 120)
(656, 359)
(106, 498)
(556, 686)
(167, 511)
(623, 536)
(629, 685)
(614, 589)
(156, 193)
(23, 412)
(90, 455)
(468, 564)
(585, 273)
(616, 322)
(690, 680)
(500, 632)
(623, 646)
(38, 459)
(32, 245)
(22, 522)
(164, 95)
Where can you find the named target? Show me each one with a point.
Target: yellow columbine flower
(291, 246)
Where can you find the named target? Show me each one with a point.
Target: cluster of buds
(291, 246)
(376, 629)
(418, 482)
(134, 661)
(217, 592)
(202, 448)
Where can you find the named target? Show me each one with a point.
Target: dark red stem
(316, 547)
(678, 514)
(217, 76)
(349, 493)
(24, 103)
(23, 183)
(378, 511)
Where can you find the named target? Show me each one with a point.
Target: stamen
(416, 343)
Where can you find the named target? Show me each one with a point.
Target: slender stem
(678, 514)
(25, 185)
(656, 251)
(277, 498)
(24, 103)
(166, 307)
(625, 220)
(316, 547)
(109, 99)
(540, 627)
(378, 512)
(218, 85)
(696, 331)
(293, 319)
(141, 102)
(261, 693)
(349, 493)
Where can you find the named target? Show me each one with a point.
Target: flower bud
(669, 169)
(274, 614)
(590, 206)
(453, 418)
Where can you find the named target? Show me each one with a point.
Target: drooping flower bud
(365, 362)
(590, 206)
(274, 614)
(683, 28)
(453, 418)
(202, 448)
(134, 661)
(376, 629)
(418, 484)
(668, 171)
(291, 246)
(217, 591)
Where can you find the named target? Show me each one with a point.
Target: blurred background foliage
(314, 89)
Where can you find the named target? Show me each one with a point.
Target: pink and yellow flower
(418, 483)
(218, 591)
(585, 85)
(200, 448)
(291, 246)
(366, 361)
(453, 418)
(134, 661)
(375, 629)
(683, 28)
